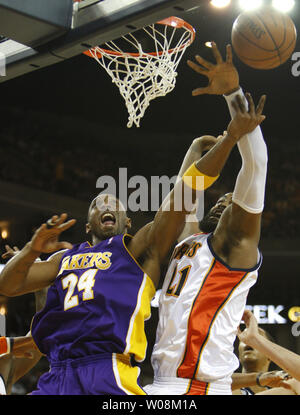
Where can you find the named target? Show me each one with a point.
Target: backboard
(33, 41)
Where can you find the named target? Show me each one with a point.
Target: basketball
(263, 38)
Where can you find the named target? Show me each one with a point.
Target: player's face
(250, 356)
(211, 219)
(107, 217)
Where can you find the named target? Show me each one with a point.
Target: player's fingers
(229, 54)
(261, 119)
(41, 228)
(240, 104)
(216, 53)
(201, 91)
(261, 105)
(251, 107)
(67, 225)
(204, 62)
(235, 106)
(8, 249)
(55, 221)
(51, 222)
(197, 68)
(61, 219)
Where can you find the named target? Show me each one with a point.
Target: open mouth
(217, 213)
(108, 219)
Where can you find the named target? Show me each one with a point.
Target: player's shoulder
(193, 238)
(57, 256)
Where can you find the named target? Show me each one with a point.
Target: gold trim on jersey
(136, 340)
(137, 263)
(126, 375)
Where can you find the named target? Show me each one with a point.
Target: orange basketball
(264, 38)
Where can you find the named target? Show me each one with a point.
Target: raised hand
(10, 252)
(246, 120)
(251, 332)
(45, 239)
(223, 77)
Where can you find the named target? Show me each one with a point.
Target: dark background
(64, 126)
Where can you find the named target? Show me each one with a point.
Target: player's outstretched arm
(194, 153)
(156, 240)
(22, 274)
(238, 231)
(271, 379)
(284, 358)
(237, 235)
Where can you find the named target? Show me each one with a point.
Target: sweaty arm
(194, 153)
(22, 274)
(238, 231)
(284, 358)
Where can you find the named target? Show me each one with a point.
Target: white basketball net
(142, 76)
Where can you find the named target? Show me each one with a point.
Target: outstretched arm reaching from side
(22, 274)
(194, 153)
(284, 358)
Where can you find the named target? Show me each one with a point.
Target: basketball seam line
(267, 59)
(271, 36)
(254, 44)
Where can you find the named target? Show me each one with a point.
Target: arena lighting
(4, 234)
(220, 3)
(283, 5)
(250, 4)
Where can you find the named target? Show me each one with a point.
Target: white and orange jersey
(200, 308)
(2, 386)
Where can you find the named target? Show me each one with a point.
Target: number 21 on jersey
(178, 281)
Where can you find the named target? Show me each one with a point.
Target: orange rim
(169, 21)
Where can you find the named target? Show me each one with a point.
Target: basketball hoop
(143, 76)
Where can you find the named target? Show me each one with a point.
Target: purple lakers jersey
(97, 304)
